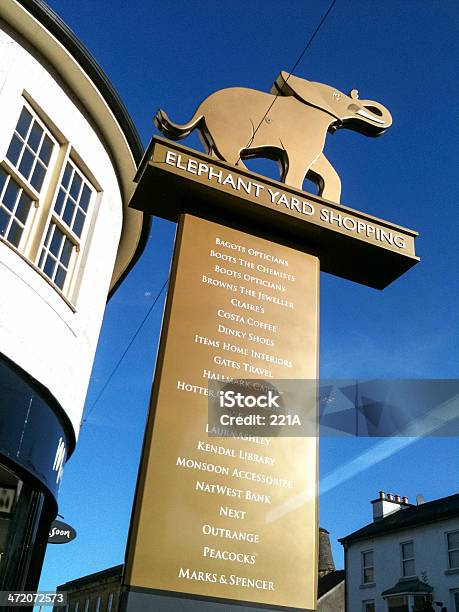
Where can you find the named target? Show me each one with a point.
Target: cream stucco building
(407, 559)
(68, 154)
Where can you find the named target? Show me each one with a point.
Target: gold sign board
(229, 518)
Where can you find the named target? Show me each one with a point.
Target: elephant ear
(312, 94)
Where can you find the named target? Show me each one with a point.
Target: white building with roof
(407, 559)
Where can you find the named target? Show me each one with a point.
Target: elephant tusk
(368, 116)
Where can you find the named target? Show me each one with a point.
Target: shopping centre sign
(216, 518)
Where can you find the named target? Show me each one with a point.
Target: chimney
(388, 503)
(326, 563)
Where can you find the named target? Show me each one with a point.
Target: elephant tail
(172, 130)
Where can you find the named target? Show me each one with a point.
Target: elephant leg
(226, 142)
(229, 153)
(294, 175)
(327, 178)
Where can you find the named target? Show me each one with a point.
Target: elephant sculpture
(288, 125)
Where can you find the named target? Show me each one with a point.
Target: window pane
(13, 518)
(78, 223)
(35, 137)
(85, 197)
(24, 122)
(408, 568)
(453, 540)
(56, 242)
(14, 150)
(3, 177)
(26, 163)
(66, 252)
(60, 277)
(68, 212)
(368, 558)
(46, 150)
(76, 185)
(38, 175)
(398, 604)
(49, 266)
(67, 175)
(4, 220)
(368, 575)
(23, 208)
(422, 603)
(15, 233)
(59, 202)
(454, 559)
(11, 194)
(408, 550)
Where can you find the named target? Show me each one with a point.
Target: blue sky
(172, 55)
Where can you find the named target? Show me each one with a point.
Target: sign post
(231, 522)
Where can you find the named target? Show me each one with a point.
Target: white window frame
(449, 550)
(110, 602)
(53, 218)
(38, 197)
(363, 567)
(47, 130)
(40, 214)
(86, 605)
(404, 560)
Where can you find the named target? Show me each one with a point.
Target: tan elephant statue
(295, 118)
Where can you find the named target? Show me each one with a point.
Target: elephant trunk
(369, 117)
